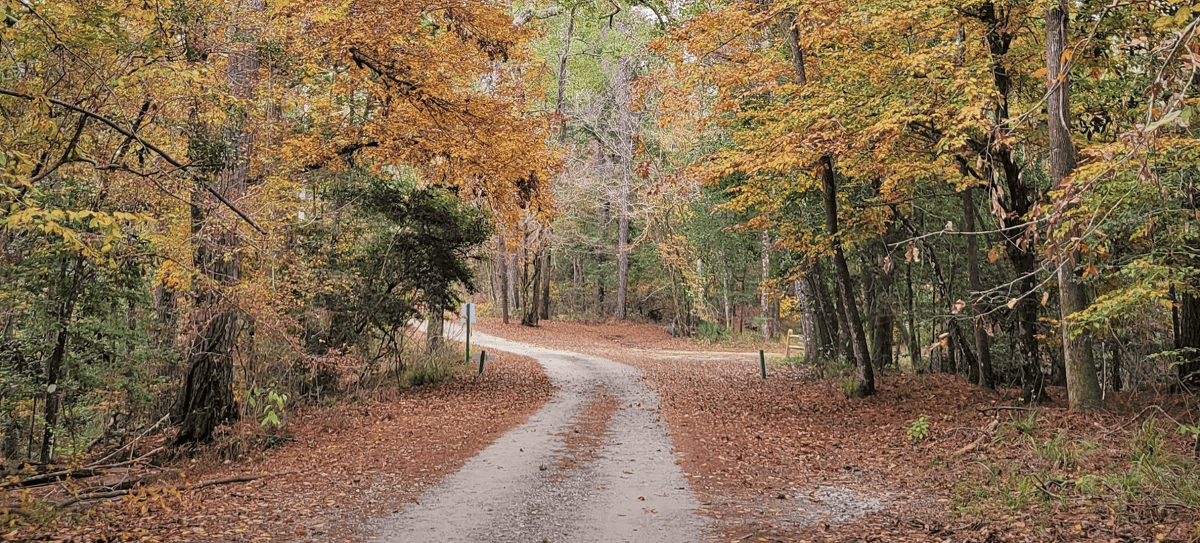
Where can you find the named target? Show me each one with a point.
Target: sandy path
(530, 487)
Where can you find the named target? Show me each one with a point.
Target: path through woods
(594, 464)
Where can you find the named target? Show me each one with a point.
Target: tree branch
(150, 146)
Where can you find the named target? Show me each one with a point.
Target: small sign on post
(468, 316)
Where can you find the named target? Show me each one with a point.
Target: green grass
(1030, 467)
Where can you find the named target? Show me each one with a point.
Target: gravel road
(528, 487)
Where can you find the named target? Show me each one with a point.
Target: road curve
(523, 489)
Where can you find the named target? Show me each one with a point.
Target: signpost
(468, 316)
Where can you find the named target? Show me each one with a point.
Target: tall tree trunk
(1083, 387)
(206, 400)
(1115, 368)
(1188, 342)
(833, 315)
(846, 313)
(514, 282)
(885, 322)
(983, 344)
(885, 317)
(435, 325)
(726, 308)
(1014, 201)
(764, 295)
(546, 284)
(914, 341)
(866, 374)
(808, 323)
(534, 308)
(625, 129)
(69, 291)
(166, 316)
(502, 260)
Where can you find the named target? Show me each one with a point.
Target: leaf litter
(791, 459)
(345, 466)
(788, 458)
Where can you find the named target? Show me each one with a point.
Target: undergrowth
(1034, 469)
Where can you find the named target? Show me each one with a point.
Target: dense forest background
(212, 210)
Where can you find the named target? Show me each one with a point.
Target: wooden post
(762, 363)
(787, 349)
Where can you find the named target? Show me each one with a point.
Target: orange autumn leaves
(436, 86)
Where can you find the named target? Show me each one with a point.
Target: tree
(1083, 388)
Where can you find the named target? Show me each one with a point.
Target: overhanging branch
(153, 148)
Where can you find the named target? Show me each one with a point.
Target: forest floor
(789, 458)
(340, 469)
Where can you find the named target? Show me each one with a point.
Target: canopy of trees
(199, 199)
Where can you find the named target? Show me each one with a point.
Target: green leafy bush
(918, 430)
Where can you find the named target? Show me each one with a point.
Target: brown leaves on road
(352, 463)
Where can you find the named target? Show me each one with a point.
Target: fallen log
(95, 496)
(75, 473)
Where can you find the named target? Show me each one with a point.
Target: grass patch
(1033, 470)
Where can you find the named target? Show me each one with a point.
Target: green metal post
(762, 363)
(482, 357)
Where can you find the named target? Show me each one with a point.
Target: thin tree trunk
(983, 345)
(65, 312)
(914, 341)
(808, 322)
(866, 374)
(834, 316)
(725, 299)
(885, 317)
(625, 129)
(166, 316)
(546, 284)
(1083, 388)
(534, 307)
(764, 295)
(1115, 367)
(502, 260)
(514, 282)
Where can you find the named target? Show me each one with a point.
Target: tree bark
(1083, 387)
(1188, 342)
(502, 259)
(435, 324)
(1115, 367)
(206, 400)
(625, 129)
(983, 346)
(70, 286)
(1013, 202)
(545, 314)
(866, 374)
(534, 307)
(914, 342)
(764, 295)
(808, 323)
(885, 317)
(834, 317)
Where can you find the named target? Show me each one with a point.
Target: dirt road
(594, 465)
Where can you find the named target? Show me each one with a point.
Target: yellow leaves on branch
(433, 86)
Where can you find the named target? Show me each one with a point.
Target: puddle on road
(834, 504)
